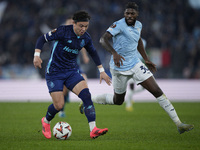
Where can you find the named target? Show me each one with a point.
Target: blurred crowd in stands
(170, 27)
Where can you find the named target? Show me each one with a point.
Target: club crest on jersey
(82, 44)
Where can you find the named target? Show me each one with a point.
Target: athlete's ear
(73, 22)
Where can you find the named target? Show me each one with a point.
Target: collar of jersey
(76, 35)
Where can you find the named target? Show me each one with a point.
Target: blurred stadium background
(171, 29)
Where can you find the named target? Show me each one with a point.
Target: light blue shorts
(138, 73)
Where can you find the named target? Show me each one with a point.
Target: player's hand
(151, 66)
(104, 76)
(37, 61)
(118, 59)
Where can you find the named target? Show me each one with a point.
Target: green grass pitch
(148, 127)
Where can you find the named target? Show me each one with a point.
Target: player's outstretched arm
(105, 42)
(37, 61)
(103, 75)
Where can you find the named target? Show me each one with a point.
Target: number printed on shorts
(145, 69)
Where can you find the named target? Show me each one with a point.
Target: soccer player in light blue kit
(125, 64)
(62, 69)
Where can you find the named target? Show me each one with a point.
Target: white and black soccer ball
(62, 130)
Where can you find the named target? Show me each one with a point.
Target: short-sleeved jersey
(66, 48)
(125, 42)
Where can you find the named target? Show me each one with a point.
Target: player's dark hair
(81, 16)
(132, 5)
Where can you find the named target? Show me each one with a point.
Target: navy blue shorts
(56, 81)
(81, 71)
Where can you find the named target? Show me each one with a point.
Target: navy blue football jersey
(66, 48)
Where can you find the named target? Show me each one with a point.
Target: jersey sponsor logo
(67, 49)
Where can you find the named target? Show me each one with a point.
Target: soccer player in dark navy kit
(62, 69)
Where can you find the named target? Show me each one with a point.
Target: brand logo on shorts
(52, 84)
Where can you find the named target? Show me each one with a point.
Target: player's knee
(59, 106)
(118, 100)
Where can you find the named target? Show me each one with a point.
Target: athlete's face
(80, 28)
(130, 15)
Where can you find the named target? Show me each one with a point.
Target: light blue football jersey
(125, 42)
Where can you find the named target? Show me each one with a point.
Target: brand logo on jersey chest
(69, 41)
